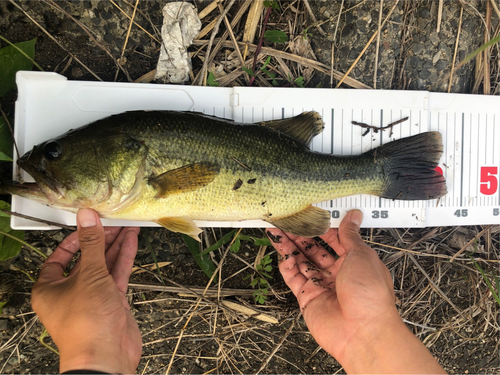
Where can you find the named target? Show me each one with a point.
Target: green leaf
(5, 224)
(224, 240)
(276, 36)
(299, 81)
(262, 241)
(266, 63)
(211, 80)
(5, 141)
(235, 247)
(2, 304)
(11, 247)
(478, 50)
(254, 282)
(268, 268)
(263, 282)
(11, 61)
(203, 260)
(248, 71)
(272, 4)
(4, 157)
(4, 206)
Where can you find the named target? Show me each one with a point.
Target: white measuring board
(48, 105)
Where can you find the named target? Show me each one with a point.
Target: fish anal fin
(187, 178)
(181, 225)
(310, 222)
(303, 127)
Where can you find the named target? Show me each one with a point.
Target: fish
(173, 168)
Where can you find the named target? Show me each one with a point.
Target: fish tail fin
(409, 167)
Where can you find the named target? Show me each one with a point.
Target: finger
(288, 266)
(123, 265)
(113, 252)
(91, 237)
(110, 234)
(54, 266)
(349, 236)
(332, 239)
(113, 249)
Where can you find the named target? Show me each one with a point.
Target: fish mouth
(29, 190)
(44, 189)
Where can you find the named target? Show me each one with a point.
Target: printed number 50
(489, 180)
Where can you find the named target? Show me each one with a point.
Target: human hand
(348, 303)
(87, 313)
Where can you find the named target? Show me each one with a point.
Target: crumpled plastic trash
(181, 24)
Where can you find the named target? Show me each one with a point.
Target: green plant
(275, 36)
(491, 280)
(201, 258)
(299, 81)
(260, 281)
(15, 57)
(11, 240)
(205, 262)
(211, 80)
(264, 70)
(306, 34)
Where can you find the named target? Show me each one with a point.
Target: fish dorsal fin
(310, 222)
(303, 127)
(187, 178)
(181, 225)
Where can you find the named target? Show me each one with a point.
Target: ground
(449, 306)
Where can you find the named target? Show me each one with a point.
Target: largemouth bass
(175, 167)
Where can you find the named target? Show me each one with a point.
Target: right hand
(348, 303)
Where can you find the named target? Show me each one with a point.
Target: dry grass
(442, 294)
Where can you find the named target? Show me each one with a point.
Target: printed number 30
(489, 180)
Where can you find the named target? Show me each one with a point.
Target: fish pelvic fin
(303, 127)
(409, 167)
(181, 225)
(310, 222)
(187, 178)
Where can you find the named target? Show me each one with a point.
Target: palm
(337, 296)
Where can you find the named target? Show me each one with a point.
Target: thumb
(91, 238)
(349, 231)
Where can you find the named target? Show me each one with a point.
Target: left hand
(87, 313)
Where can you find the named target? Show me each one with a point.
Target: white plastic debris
(180, 25)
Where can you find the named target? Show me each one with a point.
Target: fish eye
(52, 150)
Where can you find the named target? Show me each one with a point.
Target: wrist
(97, 356)
(388, 347)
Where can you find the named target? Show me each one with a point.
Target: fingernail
(86, 218)
(357, 217)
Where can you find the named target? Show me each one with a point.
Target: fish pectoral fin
(310, 222)
(181, 225)
(187, 178)
(303, 127)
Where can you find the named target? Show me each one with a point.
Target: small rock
(14, 360)
(436, 57)
(424, 13)
(4, 324)
(418, 48)
(76, 72)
